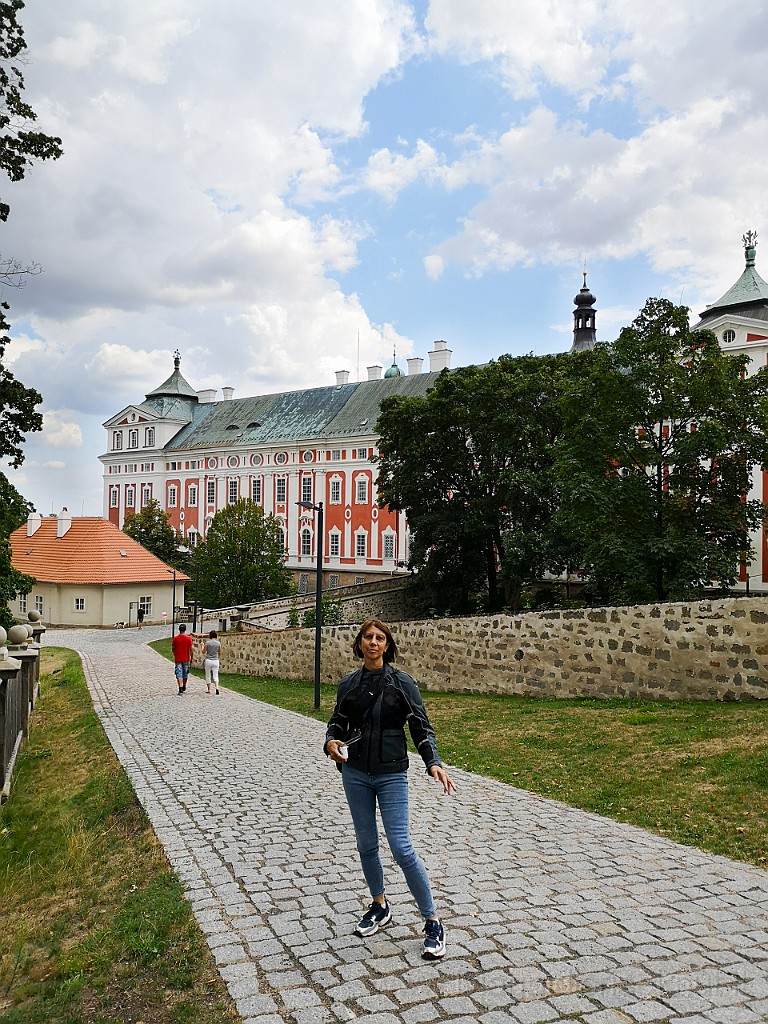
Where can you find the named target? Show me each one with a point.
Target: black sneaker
(375, 917)
(434, 941)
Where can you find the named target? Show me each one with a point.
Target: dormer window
(729, 336)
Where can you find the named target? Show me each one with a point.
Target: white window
(149, 437)
(306, 541)
(117, 440)
(361, 545)
(729, 336)
(336, 455)
(146, 496)
(389, 545)
(333, 581)
(133, 438)
(192, 496)
(335, 491)
(79, 604)
(281, 540)
(334, 544)
(256, 490)
(280, 490)
(211, 486)
(233, 482)
(145, 603)
(361, 490)
(130, 496)
(114, 497)
(23, 604)
(361, 453)
(39, 604)
(172, 496)
(306, 489)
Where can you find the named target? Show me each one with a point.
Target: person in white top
(212, 646)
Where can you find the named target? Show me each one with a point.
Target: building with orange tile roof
(89, 573)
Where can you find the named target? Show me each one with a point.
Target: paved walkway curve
(552, 914)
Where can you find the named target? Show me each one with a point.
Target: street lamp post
(173, 605)
(318, 588)
(197, 598)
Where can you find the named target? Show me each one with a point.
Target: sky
(282, 190)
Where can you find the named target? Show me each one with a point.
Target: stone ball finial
(33, 615)
(17, 635)
(3, 636)
(30, 631)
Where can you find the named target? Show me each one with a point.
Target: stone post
(10, 726)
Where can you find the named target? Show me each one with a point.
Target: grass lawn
(695, 771)
(94, 927)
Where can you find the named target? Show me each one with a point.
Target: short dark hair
(182, 628)
(391, 651)
(212, 634)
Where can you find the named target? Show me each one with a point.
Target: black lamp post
(318, 588)
(173, 605)
(197, 598)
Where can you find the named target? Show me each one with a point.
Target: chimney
(206, 395)
(439, 357)
(415, 364)
(33, 523)
(227, 393)
(375, 372)
(63, 522)
(342, 377)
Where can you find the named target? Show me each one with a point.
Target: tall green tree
(20, 145)
(242, 558)
(662, 432)
(471, 465)
(152, 529)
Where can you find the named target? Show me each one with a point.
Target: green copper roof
(175, 386)
(749, 291)
(346, 410)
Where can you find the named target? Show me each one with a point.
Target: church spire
(584, 319)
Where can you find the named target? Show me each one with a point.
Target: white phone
(343, 751)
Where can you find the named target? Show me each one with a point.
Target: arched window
(306, 541)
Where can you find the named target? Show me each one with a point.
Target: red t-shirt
(182, 645)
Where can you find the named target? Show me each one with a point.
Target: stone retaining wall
(714, 650)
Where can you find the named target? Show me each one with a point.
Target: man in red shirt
(181, 645)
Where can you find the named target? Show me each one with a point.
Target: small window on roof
(232, 426)
(254, 423)
(123, 554)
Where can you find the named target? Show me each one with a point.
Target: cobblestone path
(551, 913)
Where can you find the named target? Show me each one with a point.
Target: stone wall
(714, 650)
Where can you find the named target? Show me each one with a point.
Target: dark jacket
(373, 723)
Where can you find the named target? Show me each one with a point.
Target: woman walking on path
(211, 649)
(366, 739)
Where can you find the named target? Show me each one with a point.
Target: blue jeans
(391, 792)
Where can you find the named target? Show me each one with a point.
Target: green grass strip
(695, 771)
(94, 927)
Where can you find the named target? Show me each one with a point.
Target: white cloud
(434, 265)
(60, 430)
(388, 173)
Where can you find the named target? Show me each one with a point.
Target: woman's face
(373, 644)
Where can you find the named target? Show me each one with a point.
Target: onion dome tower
(394, 370)
(584, 319)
